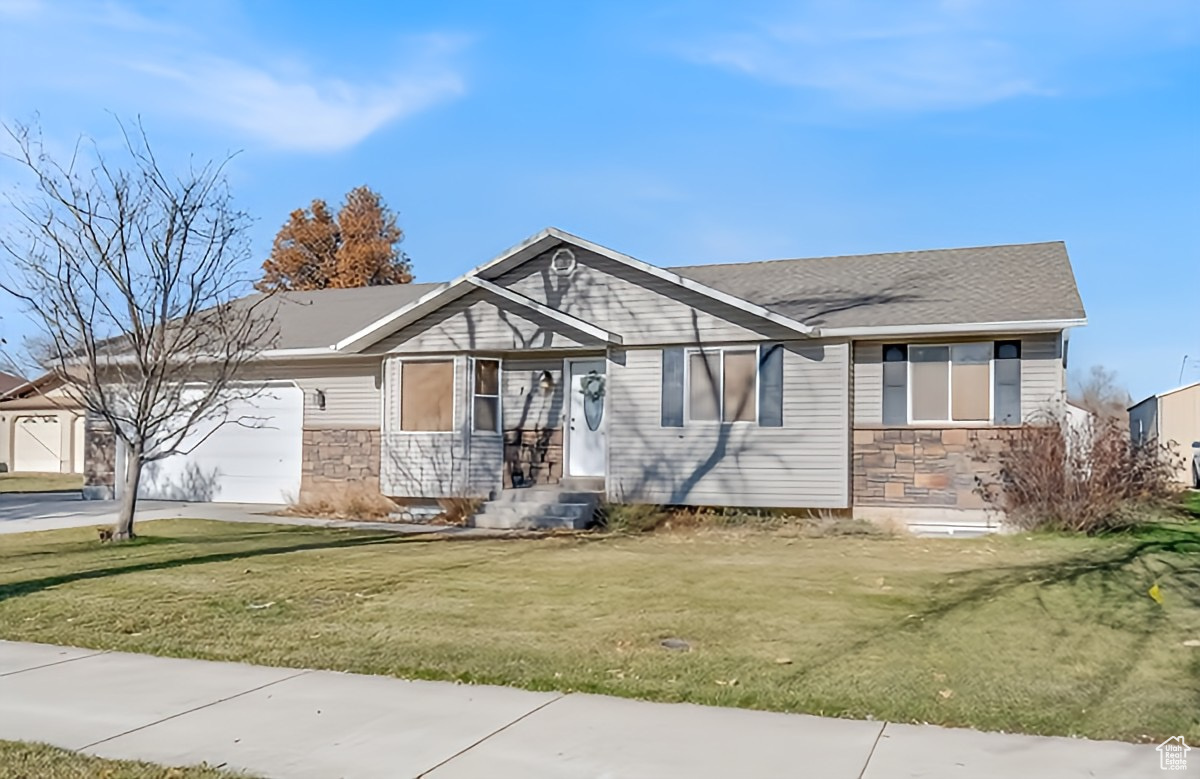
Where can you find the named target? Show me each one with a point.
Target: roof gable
(527, 250)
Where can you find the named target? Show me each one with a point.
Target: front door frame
(569, 391)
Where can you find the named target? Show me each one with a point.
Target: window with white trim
(485, 400)
(970, 383)
(427, 396)
(722, 385)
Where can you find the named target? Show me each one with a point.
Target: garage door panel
(37, 444)
(255, 458)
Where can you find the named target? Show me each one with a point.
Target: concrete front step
(542, 509)
(540, 495)
(566, 515)
(527, 522)
(546, 506)
(582, 483)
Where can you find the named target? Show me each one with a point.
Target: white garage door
(253, 457)
(37, 444)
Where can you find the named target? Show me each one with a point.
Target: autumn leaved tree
(358, 248)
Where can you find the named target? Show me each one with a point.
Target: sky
(679, 132)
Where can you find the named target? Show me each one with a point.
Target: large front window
(944, 383)
(427, 396)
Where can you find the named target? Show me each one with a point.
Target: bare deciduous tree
(1101, 393)
(131, 275)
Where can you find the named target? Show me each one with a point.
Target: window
(971, 382)
(485, 406)
(976, 382)
(963, 382)
(427, 396)
(895, 384)
(929, 369)
(951, 383)
(1008, 382)
(722, 385)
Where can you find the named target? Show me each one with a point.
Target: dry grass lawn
(1039, 634)
(40, 482)
(20, 760)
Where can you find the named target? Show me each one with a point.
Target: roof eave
(951, 328)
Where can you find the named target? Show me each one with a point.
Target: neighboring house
(9, 382)
(41, 428)
(1172, 418)
(862, 382)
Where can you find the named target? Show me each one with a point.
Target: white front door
(587, 417)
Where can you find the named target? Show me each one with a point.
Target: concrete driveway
(22, 513)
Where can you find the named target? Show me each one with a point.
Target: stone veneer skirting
(533, 456)
(925, 466)
(332, 456)
(99, 459)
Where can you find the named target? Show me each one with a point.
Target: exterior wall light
(546, 382)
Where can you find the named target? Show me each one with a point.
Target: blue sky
(681, 132)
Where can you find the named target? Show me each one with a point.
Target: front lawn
(40, 482)
(21, 760)
(1039, 634)
(1191, 503)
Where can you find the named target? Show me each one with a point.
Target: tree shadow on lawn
(1107, 585)
(28, 587)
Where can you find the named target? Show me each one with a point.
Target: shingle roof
(323, 317)
(1021, 282)
(1015, 283)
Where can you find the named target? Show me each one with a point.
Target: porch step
(542, 507)
(582, 483)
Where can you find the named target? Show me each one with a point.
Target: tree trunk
(123, 530)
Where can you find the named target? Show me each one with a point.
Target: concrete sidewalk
(281, 722)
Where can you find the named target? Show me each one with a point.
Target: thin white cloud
(298, 114)
(116, 56)
(930, 55)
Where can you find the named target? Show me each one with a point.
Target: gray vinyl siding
(524, 404)
(802, 464)
(641, 308)
(1043, 378)
(353, 390)
(868, 383)
(437, 465)
(480, 321)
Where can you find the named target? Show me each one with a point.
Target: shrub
(457, 511)
(342, 500)
(645, 518)
(630, 517)
(1086, 477)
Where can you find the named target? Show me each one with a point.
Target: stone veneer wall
(533, 456)
(332, 456)
(99, 459)
(926, 466)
